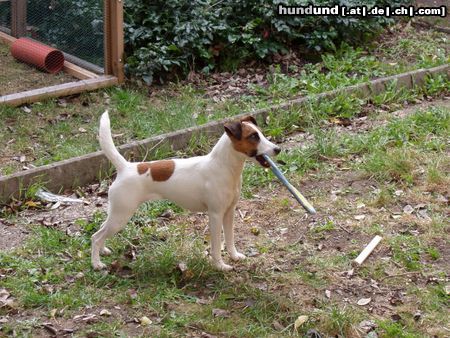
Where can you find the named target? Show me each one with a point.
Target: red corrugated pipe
(37, 54)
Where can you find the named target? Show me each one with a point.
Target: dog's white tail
(107, 144)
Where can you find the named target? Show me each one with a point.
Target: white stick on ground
(368, 250)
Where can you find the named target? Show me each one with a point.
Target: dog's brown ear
(234, 129)
(249, 119)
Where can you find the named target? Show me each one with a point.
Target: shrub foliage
(179, 35)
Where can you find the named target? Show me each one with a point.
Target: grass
(290, 273)
(42, 280)
(389, 153)
(61, 130)
(52, 270)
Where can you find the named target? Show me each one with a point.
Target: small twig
(151, 149)
(367, 250)
(343, 228)
(396, 264)
(49, 327)
(400, 274)
(332, 159)
(287, 327)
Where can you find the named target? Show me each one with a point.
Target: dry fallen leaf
(4, 294)
(367, 325)
(255, 231)
(53, 313)
(31, 204)
(26, 109)
(300, 321)
(145, 321)
(50, 328)
(398, 192)
(220, 313)
(408, 209)
(364, 301)
(105, 312)
(132, 293)
(186, 273)
(277, 326)
(88, 318)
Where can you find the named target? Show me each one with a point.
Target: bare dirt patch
(435, 20)
(301, 258)
(16, 77)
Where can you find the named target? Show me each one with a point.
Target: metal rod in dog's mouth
(298, 196)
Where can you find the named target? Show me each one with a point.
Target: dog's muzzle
(261, 160)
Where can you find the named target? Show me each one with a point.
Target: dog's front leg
(215, 228)
(228, 229)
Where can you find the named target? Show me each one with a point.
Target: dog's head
(248, 139)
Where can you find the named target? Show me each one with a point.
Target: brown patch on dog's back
(143, 167)
(160, 170)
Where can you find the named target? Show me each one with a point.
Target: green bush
(171, 36)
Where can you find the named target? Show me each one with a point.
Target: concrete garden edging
(82, 170)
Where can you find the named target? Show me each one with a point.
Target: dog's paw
(105, 251)
(237, 256)
(99, 266)
(223, 267)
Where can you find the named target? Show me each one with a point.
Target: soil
(14, 231)
(438, 21)
(281, 225)
(232, 85)
(16, 76)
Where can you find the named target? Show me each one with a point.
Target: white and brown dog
(204, 183)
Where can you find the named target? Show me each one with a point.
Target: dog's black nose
(277, 150)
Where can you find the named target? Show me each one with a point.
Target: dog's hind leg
(228, 229)
(118, 216)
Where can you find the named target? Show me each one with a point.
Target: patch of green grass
(374, 229)
(436, 84)
(392, 329)
(393, 165)
(436, 173)
(56, 132)
(393, 151)
(433, 253)
(439, 224)
(390, 152)
(339, 320)
(433, 298)
(392, 94)
(428, 50)
(415, 129)
(383, 198)
(43, 276)
(327, 261)
(311, 278)
(324, 227)
(407, 250)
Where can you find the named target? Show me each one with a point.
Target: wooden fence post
(18, 18)
(114, 44)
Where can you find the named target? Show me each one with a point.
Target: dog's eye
(253, 137)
